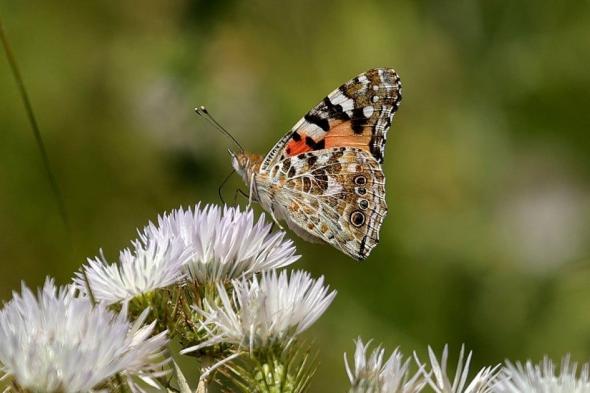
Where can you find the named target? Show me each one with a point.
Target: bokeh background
(488, 164)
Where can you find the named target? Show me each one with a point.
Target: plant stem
(35, 127)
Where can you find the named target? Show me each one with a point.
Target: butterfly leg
(238, 192)
(275, 221)
(251, 190)
(272, 214)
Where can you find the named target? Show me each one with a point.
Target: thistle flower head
(371, 375)
(153, 263)
(483, 382)
(544, 378)
(59, 342)
(264, 311)
(226, 242)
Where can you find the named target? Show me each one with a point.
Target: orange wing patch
(341, 134)
(296, 147)
(301, 143)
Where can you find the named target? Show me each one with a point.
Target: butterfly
(324, 177)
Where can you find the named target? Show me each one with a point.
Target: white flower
(226, 242)
(59, 342)
(483, 382)
(154, 263)
(371, 375)
(543, 378)
(265, 311)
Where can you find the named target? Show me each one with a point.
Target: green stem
(35, 127)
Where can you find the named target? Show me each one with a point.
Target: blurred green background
(488, 171)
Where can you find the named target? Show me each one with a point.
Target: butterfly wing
(358, 113)
(333, 195)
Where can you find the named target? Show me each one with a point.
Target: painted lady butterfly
(324, 176)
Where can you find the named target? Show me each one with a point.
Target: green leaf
(182, 383)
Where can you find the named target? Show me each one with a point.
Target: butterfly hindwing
(333, 195)
(357, 114)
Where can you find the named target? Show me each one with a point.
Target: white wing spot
(347, 105)
(375, 87)
(375, 98)
(297, 163)
(368, 111)
(313, 130)
(333, 186)
(323, 159)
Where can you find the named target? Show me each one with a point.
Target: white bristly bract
(260, 312)
(56, 341)
(226, 243)
(544, 378)
(152, 263)
(371, 375)
(483, 382)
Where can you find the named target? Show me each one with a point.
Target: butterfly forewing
(357, 114)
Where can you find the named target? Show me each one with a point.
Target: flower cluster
(150, 265)
(543, 377)
(206, 275)
(261, 312)
(226, 242)
(210, 245)
(209, 277)
(483, 382)
(371, 374)
(58, 341)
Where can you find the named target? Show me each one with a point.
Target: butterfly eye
(360, 180)
(357, 218)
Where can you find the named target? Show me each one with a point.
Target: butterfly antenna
(223, 184)
(203, 112)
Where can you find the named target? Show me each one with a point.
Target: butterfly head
(246, 164)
